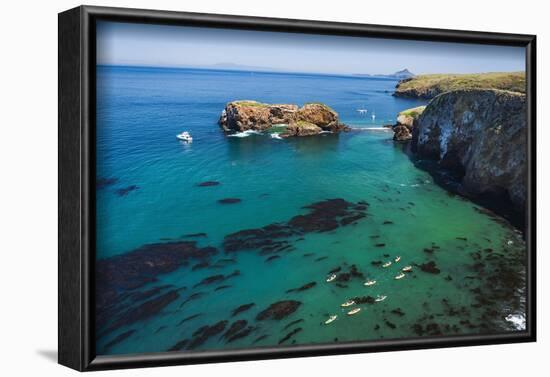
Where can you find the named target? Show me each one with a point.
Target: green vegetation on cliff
(414, 112)
(250, 103)
(429, 86)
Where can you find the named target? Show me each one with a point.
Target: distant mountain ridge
(399, 75)
(403, 74)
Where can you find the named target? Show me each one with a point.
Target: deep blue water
(139, 112)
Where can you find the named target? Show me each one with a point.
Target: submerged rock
(242, 308)
(101, 183)
(310, 119)
(273, 257)
(279, 310)
(126, 190)
(430, 267)
(179, 345)
(290, 335)
(364, 300)
(293, 323)
(204, 333)
(116, 276)
(208, 184)
(145, 310)
(241, 334)
(303, 287)
(191, 317)
(119, 338)
(194, 235)
(323, 216)
(229, 201)
(235, 327)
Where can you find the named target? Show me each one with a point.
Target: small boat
(354, 311)
(400, 276)
(368, 283)
(347, 303)
(387, 264)
(362, 111)
(380, 298)
(373, 116)
(407, 269)
(331, 278)
(331, 319)
(397, 259)
(185, 136)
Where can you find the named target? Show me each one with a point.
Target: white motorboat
(368, 283)
(185, 136)
(380, 298)
(387, 264)
(400, 276)
(397, 259)
(331, 278)
(407, 269)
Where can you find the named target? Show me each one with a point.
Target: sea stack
(289, 119)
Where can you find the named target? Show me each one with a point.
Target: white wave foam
(245, 133)
(385, 129)
(276, 136)
(518, 320)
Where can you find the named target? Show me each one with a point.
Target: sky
(182, 46)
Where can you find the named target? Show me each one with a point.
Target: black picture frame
(76, 120)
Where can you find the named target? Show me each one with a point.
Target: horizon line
(275, 70)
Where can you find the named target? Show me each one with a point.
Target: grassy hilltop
(429, 86)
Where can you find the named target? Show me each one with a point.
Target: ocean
(151, 195)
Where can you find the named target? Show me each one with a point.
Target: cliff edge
(481, 136)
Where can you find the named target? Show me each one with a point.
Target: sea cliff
(310, 119)
(480, 136)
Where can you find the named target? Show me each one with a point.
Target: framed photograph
(238, 188)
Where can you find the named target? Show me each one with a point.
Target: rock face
(406, 121)
(482, 136)
(310, 119)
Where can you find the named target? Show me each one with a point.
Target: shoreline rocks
(310, 119)
(406, 122)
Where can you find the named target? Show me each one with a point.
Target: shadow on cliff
(498, 204)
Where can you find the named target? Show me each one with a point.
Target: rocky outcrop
(481, 136)
(406, 121)
(310, 119)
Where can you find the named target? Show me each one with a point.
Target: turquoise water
(139, 112)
